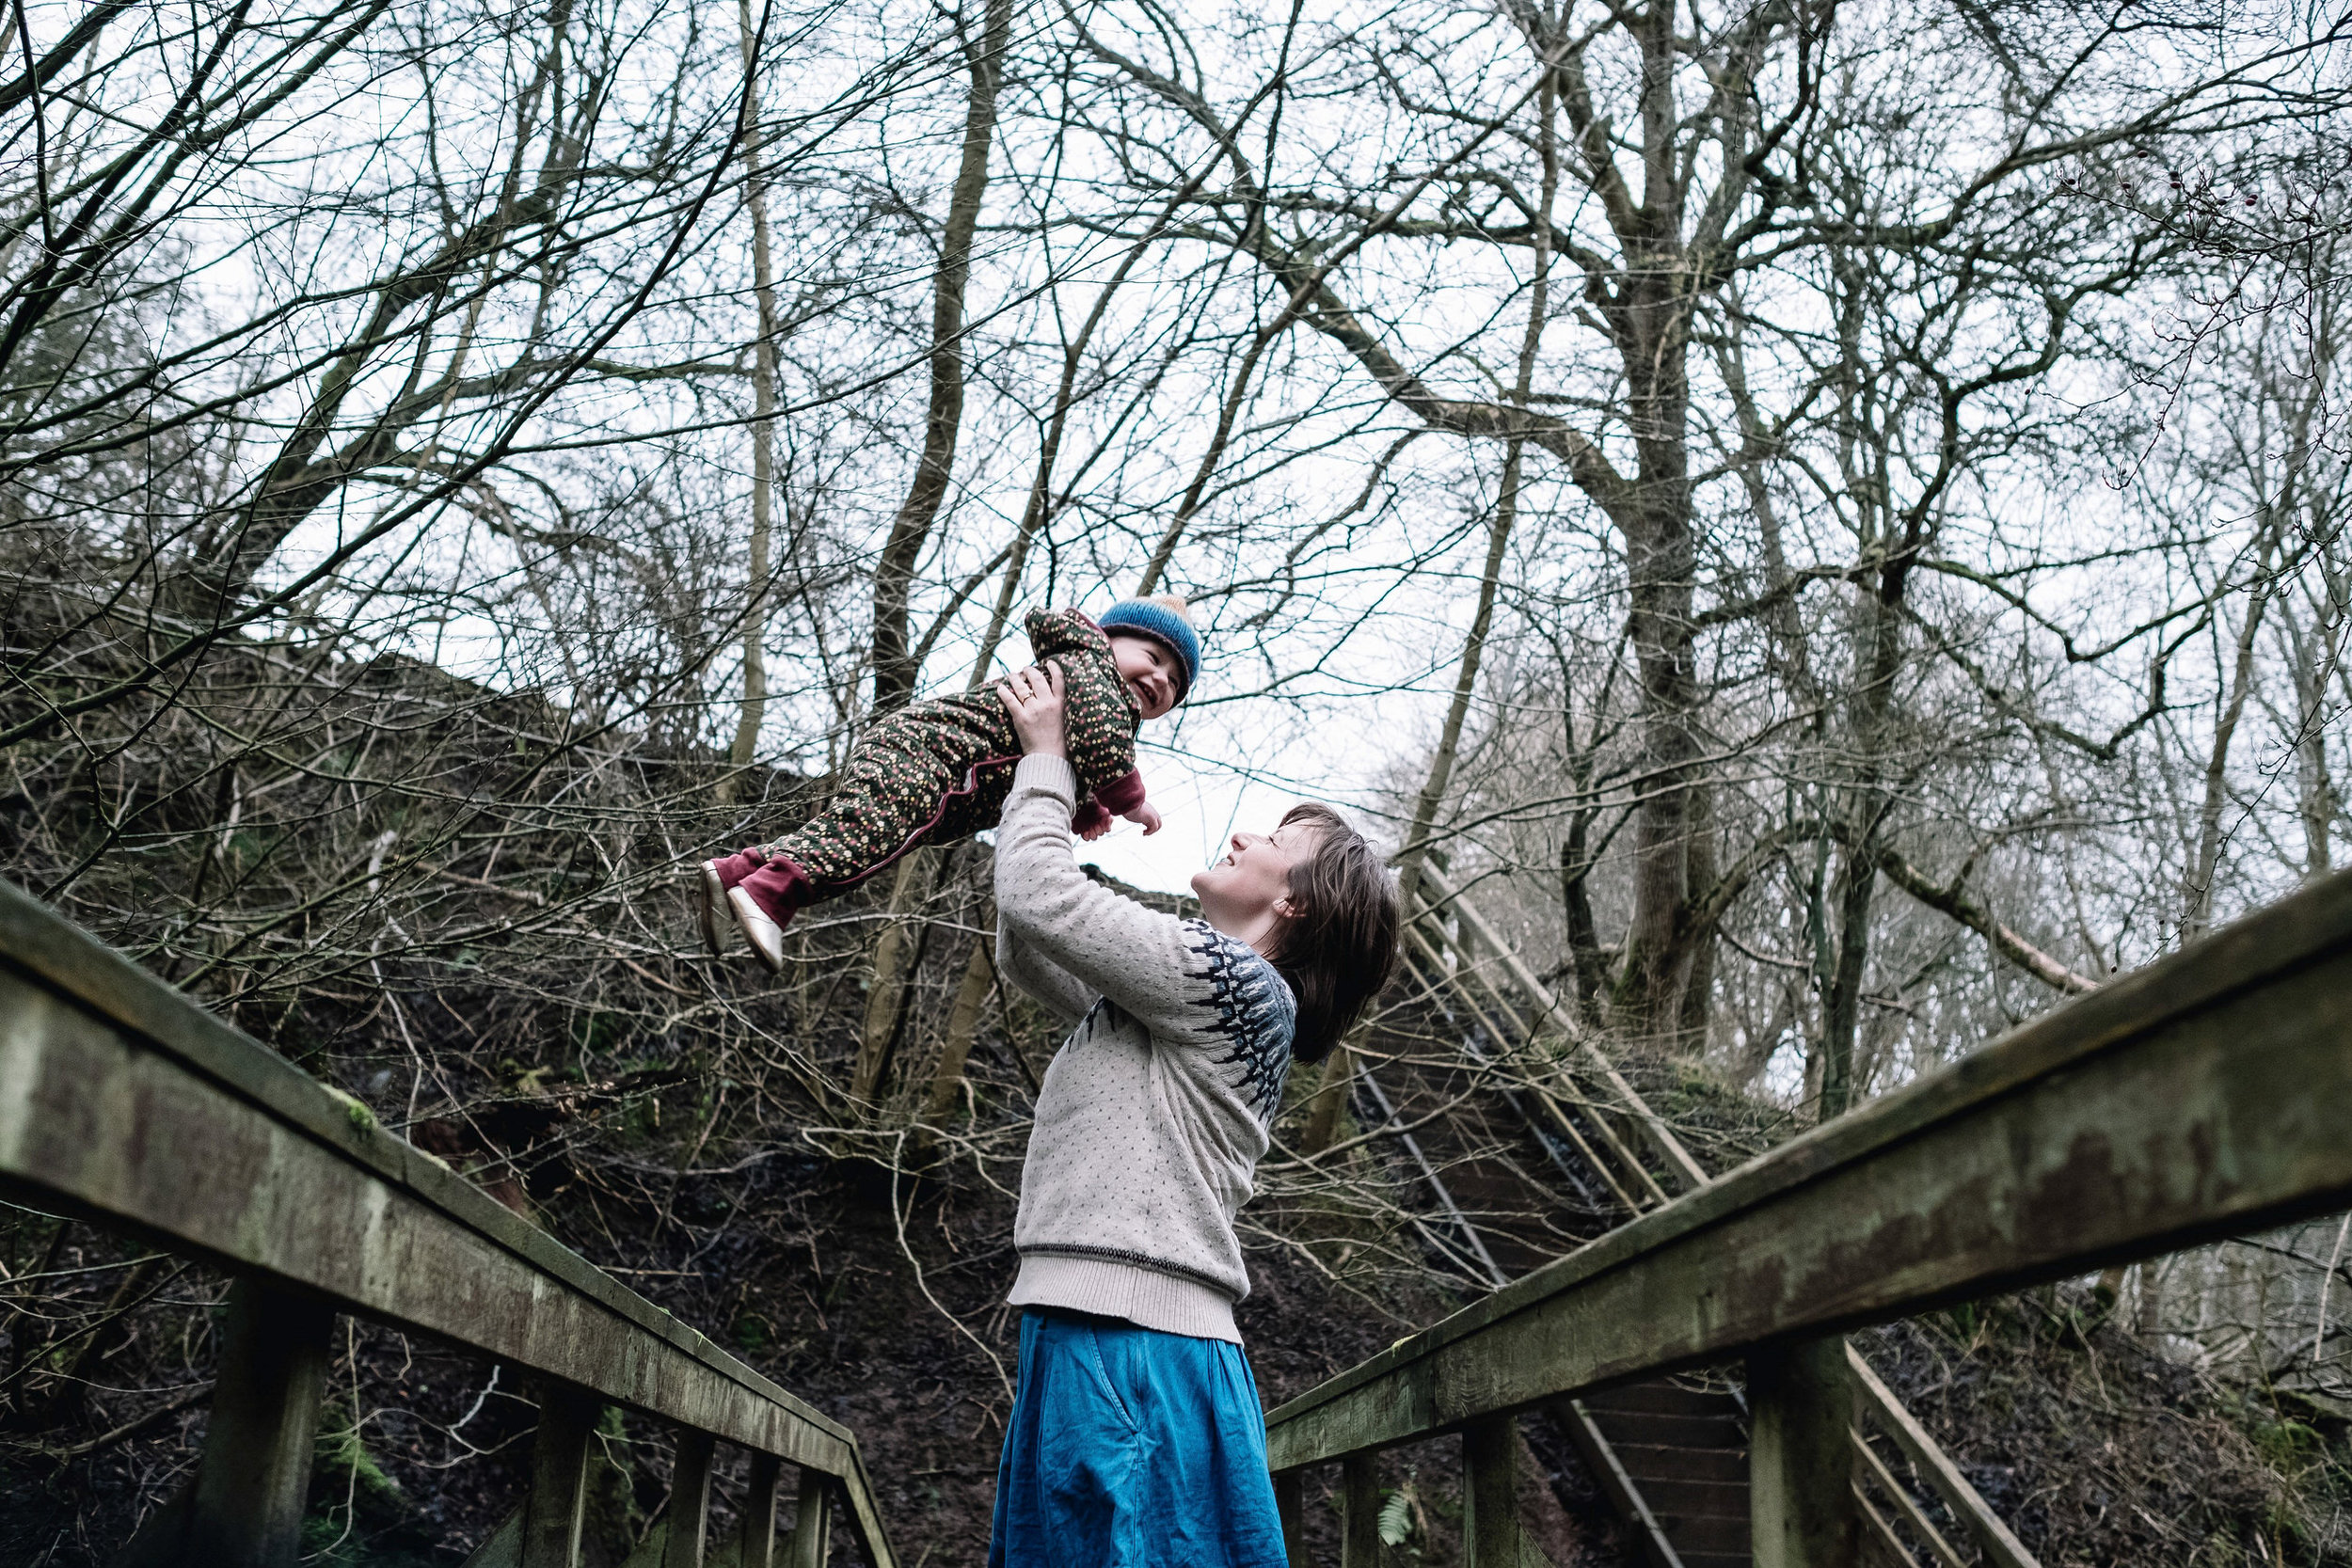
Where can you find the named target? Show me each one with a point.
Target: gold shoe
(765, 935)
(711, 897)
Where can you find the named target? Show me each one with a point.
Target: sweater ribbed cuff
(1053, 774)
(1110, 1289)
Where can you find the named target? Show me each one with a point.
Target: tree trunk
(955, 1051)
(1506, 514)
(1661, 561)
(1575, 907)
(754, 706)
(897, 952)
(1465, 684)
(2317, 654)
(894, 575)
(1696, 1007)
(2196, 896)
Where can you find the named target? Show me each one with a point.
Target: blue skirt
(1132, 1448)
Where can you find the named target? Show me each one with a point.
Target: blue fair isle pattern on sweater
(1254, 1011)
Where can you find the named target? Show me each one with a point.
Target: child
(937, 771)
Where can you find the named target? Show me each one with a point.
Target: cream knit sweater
(1153, 1114)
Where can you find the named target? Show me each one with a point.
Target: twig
(897, 1219)
(195, 1393)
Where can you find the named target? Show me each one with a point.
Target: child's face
(1150, 672)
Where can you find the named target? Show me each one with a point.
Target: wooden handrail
(2000, 1546)
(2190, 1101)
(1875, 1400)
(125, 1101)
(1685, 1172)
(1647, 1189)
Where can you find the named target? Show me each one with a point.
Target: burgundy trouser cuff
(733, 868)
(779, 889)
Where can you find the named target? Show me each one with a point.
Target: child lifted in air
(937, 771)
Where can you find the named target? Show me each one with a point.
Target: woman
(1137, 1437)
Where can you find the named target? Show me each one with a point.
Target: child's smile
(1150, 672)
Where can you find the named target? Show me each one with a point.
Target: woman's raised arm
(1104, 943)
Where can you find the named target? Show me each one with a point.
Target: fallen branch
(1954, 901)
(195, 1393)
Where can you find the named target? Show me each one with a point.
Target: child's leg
(890, 796)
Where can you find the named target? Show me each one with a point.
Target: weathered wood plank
(114, 1087)
(558, 1478)
(1801, 1509)
(1924, 1527)
(255, 1477)
(1879, 1544)
(1552, 1013)
(690, 1501)
(1359, 1512)
(1644, 1190)
(99, 1123)
(812, 1526)
(1290, 1505)
(503, 1547)
(1600, 1458)
(2184, 1102)
(1490, 1493)
(756, 1546)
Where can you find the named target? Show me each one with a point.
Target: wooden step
(1684, 1452)
(1663, 1398)
(1647, 1462)
(1693, 1499)
(1643, 1429)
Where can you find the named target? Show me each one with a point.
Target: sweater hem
(1143, 1296)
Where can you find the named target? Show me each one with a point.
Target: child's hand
(1146, 815)
(1095, 829)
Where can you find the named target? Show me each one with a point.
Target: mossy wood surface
(2196, 1099)
(125, 1101)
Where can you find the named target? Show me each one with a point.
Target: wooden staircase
(1675, 1460)
(1672, 1454)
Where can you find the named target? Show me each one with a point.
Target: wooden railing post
(812, 1529)
(1359, 1512)
(558, 1477)
(689, 1499)
(1801, 1504)
(757, 1549)
(1290, 1505)
(249, 1495)
(1490, 1491)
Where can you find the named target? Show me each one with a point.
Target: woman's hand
(1033, 697)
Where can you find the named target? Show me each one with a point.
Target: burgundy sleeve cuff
(1123, 794)
(1089, 816)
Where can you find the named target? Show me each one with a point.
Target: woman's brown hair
(1337, 948)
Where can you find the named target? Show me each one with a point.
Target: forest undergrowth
(465, 910)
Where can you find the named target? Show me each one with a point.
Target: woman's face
(1238, 893)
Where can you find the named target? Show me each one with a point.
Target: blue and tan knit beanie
(1161, 618)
